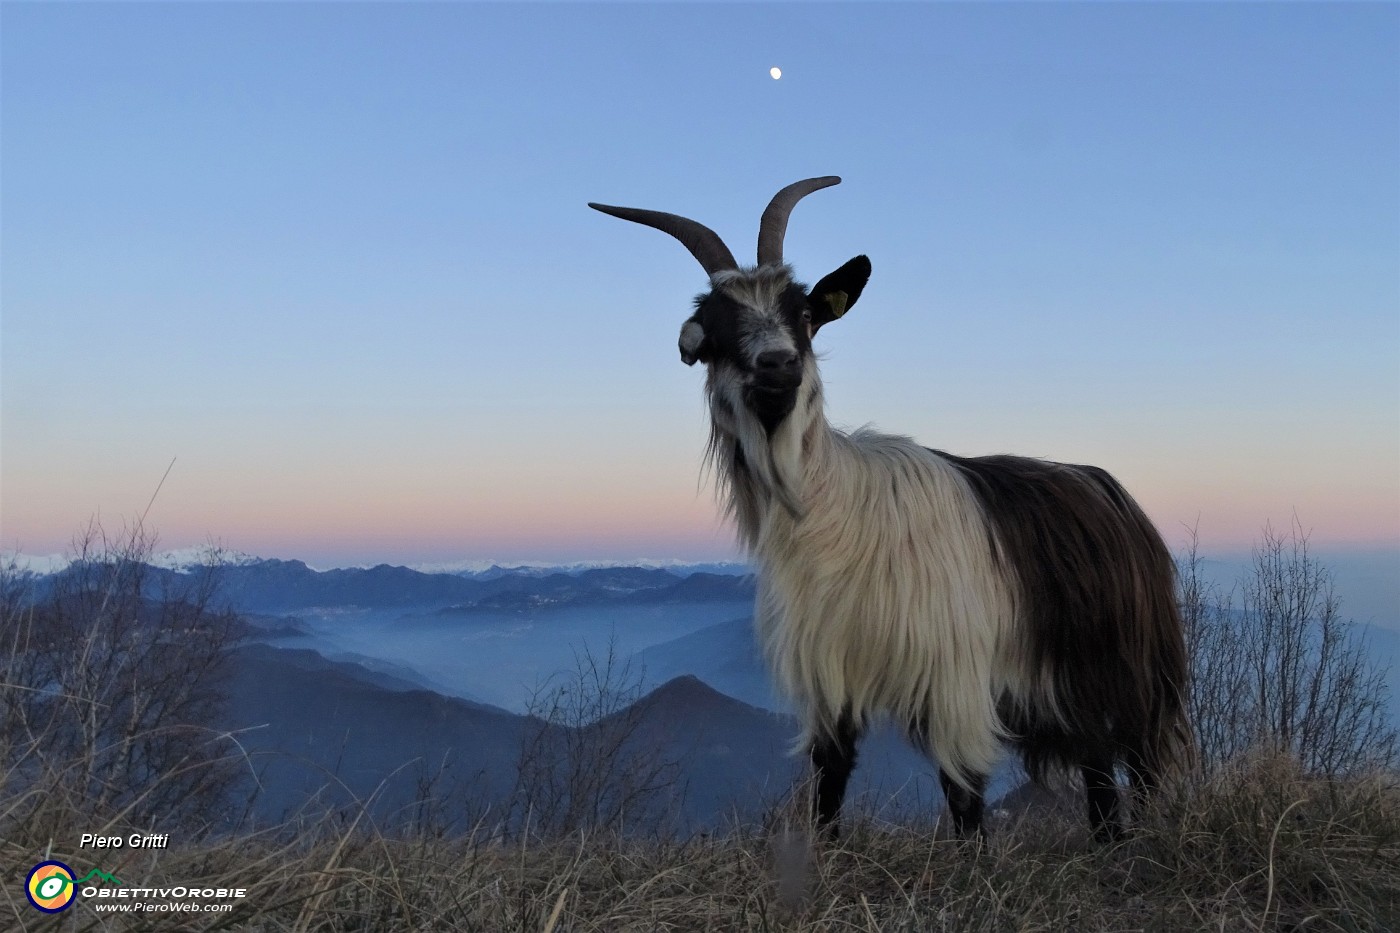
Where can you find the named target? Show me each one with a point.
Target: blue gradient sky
(335, 260)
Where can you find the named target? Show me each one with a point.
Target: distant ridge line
(184, 559)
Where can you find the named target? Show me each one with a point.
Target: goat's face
(754, 330)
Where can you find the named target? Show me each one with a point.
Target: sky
(331, 265)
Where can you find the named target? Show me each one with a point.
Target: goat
(977, 601)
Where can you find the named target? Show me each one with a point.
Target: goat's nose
(777, 362)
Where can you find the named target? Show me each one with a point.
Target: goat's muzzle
(777, 370)
(771, 393)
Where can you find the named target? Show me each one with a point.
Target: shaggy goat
(975, 600)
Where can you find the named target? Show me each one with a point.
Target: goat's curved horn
(773, 227)
(704, 244)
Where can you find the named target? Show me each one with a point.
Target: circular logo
(50, 887)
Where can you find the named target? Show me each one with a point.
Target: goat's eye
(806, 315)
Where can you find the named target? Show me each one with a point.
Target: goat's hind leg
(1101, 791)
(833, 760)
(967, 806)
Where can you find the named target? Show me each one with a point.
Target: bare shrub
(1285, 671)
(589, 759)
(111, 677)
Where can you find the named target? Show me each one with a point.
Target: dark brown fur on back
(1097, 596)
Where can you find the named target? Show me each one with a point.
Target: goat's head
(753, 329)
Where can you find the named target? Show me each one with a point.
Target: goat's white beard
(774, 461)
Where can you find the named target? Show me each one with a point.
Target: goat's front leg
(965, 805)
(833, 760)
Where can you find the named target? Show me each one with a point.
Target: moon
(776, 73)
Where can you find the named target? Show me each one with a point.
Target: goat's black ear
(834, 295)
(692, 342)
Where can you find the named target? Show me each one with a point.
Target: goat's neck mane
(756, 472)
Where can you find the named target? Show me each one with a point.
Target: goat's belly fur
(886, 598)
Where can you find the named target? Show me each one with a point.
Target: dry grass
(1260, 847)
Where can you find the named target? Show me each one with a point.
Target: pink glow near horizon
(688, 529)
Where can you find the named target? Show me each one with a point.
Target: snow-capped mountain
(180, 560)
(183, 560)
(489, 569)
(39, 564)
(190, 558)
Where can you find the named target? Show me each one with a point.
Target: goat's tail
(1162, 744)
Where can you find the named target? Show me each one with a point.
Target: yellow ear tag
(836, 301)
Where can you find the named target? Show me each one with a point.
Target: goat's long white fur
(881, 593)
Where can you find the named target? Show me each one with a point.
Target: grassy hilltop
(1259, 847)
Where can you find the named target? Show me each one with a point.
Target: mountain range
(279, 586)
(335, 722)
